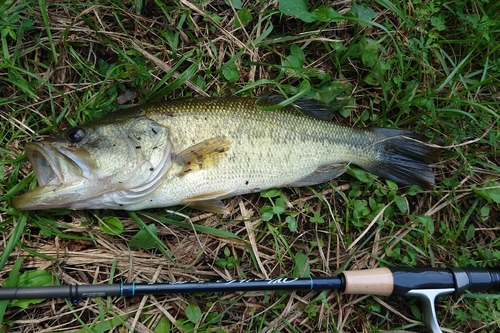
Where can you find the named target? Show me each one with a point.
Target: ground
(429, 66)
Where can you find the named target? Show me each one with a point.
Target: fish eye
(75, 135)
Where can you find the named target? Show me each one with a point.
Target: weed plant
(429, 66)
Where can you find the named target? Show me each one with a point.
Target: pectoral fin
(322, 174)
(203, 155)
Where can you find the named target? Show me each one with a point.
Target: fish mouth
(57, 169)
(54, 166)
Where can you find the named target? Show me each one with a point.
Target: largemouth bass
(199, 151)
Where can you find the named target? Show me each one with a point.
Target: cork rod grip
(378, 281)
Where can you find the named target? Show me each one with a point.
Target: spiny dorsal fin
(203, 155)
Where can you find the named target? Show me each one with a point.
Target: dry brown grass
(84, 34)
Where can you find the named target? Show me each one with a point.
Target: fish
(195, 152)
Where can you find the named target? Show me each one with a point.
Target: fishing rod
(425, 283)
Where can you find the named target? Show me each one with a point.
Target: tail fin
(404, 157)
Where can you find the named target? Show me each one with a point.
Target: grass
(430, 66)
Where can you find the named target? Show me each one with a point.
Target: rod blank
(76, 292)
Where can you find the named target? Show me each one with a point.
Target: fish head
(104, 164)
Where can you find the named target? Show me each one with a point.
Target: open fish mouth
(55, 166)
(63, 175)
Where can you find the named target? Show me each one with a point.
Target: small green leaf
(163, 326)
(427, 222)
(485, 211)
(392, 185)
(359, 174)
(364, 13)
(439, 22)
(111, 225)
(193, 313)
(301, 268)
(292, 223)
(470, 232)
(231, 73)
(144, 238)
(297, 53)
(266, 213)
(317, 218)
(327, 14)
(235, 3)
(297, 8)
(12, 34)
(369, 52)
(271, 193)
(35, 278)
(185, 325)
(401, 203)
(415, 310)
(244, 17)
(490, 193)
(221, 263)
(227, 252)
(279, 208)
(414, 189)
(27, 24)
(230, 263)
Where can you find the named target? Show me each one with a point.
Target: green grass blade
(10, 282)
(18, 230)
(199, 228)
(46, 21)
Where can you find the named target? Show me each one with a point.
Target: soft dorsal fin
(203, 155)
(308, 106)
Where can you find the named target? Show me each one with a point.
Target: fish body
(199, 151)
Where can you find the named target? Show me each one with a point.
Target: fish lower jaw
(84, 194)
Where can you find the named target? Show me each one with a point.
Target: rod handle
(476, 279)
(377, 281)
(397, 281)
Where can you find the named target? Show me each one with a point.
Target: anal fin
(322, 174)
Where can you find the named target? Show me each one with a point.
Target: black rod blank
(76, 292)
